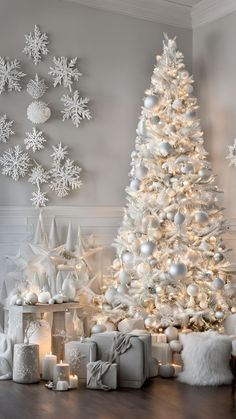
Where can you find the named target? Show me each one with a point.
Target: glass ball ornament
(218, 256)
(155, 120)
(124, 278)
(147, 248)
(141, 171)
(177, 104)
(150, 322)
(143, 269)
(151, 101)
(142, 128)
(165, 148)
(177, 270)
(179, 218)
(201, 217)
(19, 301)
(135, 185)
(122, 289)
(127, 257)
(219, 315)
(218, 284)
(193, 290)
(203, 173)
(110, 294)
(153, 262)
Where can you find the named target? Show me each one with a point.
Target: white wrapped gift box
(147, 340)
(103, 380)
(85, 352)
(131, 364)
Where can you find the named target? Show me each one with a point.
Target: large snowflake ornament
(65, 174)
(232, 154)
(34, 140)
(10, 75)
(36, 87)
(75, 108)
(15, 162)
(5, 129)
(64, 72)
(36, 45)
(39, 199)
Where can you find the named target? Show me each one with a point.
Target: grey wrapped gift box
(101, 376)
(147, 340)
(78, 354)
(132, 370)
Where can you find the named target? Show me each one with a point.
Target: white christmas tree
(172, 266)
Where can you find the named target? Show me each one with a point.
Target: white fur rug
(206, 359)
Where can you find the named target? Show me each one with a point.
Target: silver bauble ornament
(177, 270)
(19, 301)
(135, 185)
(98, 328)
(165, 148)
(31, 298)
(127, 257)
(177, 104)
(171, 333)
(218, 257)
(147, 248)
(193, 290)
(218, 284)
(142, 129)
(155, 120)
(141, 171)
(190, 114)
(166, 371)
(153, 262)
(110, 294)
(122, 289)
(150, 322)
(179, 218)
(201, 217)
(151, 101)
(176, 345)
(219, 315)
(124, 278)
(143, 269)
(203, 173)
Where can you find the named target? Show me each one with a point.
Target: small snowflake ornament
(34, 140)
(75, 108)
(36, 45)
(39, 199)
(5, 129)
(36, 88)
(59, 152)
(38, 175)
(232, 154)
(15, 163)
(64, 72)
(10, 75)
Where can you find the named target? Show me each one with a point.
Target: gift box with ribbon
(101, 376)
(78, 354)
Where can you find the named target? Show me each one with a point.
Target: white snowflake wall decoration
(10, 76)
(75, 108)
(15, 162)
(232, 154)
(34, 140)
(64, 72)
(36, 45)
(5, 129)
(36, 87)
(37, 177)
(65, 174)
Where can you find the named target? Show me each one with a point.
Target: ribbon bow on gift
(121, 344)
(96, 370)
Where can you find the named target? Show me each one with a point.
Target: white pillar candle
(49, 362)
(162, 352)
(61, 372)
(73, 381)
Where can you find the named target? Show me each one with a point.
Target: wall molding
(153, 10)
(209, 10)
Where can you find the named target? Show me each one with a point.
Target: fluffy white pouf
(206, 359)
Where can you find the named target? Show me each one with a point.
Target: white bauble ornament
(31, 298)
(201, 217)
(141, 171)
(165, 148)
(147, 248)
(203, 173)
(218, 257)
(51, 301)
(176, 346)
(188, 88)
(44, 297)
(177, 104)
(142, 129)
(219, 315)
(122, 289)
(58, 298)
(98, 328)
(143, 269)
(150, 322)
(179, 218)
(166, 371)
(127, 257)
(153, 262)
(218, 284)
(171, 333)
(110, 294)
(19, 301)
(135, 185)
(38, 112)
(151, 101)
(193, 290)
(124, 278)
(177, 270)
(230, 290)
(155, 120)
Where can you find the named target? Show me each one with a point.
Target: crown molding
(209, 10)
(153, 10)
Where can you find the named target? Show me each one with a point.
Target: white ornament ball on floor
(135, 185)
(176, 346)
(179, 218)
(151, 101)
(124, 278)
(166, 371)
(38, 112)
(19, 301)
(219, 315)
(142, 129)
(44, 297)
(141, 171)
(98, 328)
(178, 270)
(122, 289)
(31, 298)
(193, 290)
(165, 148)
(143, 269)
(147, 248)
(110, 294)
(171, 333)
(218, 284)
(201, 217)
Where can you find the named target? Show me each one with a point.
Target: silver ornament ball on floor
(219, 315)
(166, 371)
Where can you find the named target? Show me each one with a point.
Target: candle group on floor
(59, 373)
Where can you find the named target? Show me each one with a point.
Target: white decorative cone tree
(172, 266)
